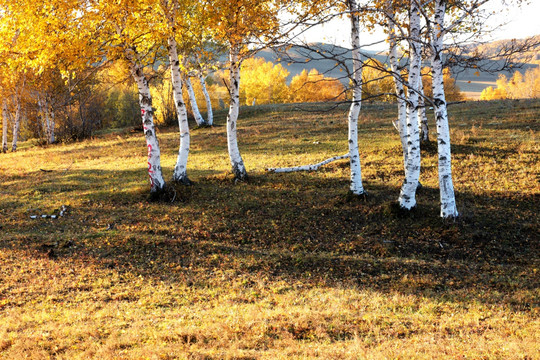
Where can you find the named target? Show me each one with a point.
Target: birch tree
(356, 186)
(239, 24)
(407, 196)
(5, 115)
(16, 121)
(193, 102)
(125, 27)
(172, 14)
(446, 186)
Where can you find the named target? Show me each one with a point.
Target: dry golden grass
(285, 266)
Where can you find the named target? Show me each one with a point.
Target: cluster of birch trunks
(409, 93)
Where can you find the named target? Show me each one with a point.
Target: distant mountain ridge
(471, 81)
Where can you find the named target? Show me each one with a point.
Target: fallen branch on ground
(311, 167)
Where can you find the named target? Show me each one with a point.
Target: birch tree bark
(448, 201)
(407, 196)
(180, 169)
(157, 183)
(50, 123)
(310, 167)
(424, 129)
(401, 122)
(209, 111)
(16, 124)
(238, 168)
(354, 111)
(193, 101)
(4, 126)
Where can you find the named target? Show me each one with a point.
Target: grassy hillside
(285, 266)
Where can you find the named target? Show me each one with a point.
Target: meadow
(283, 266)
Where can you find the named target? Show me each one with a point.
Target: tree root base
(167, 194)
(352, 197)
(182, 181)
(396, 210)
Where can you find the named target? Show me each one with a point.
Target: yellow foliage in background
(263, 82)
(376, 81)
(452, 91)
(313, 87)
(519, 86)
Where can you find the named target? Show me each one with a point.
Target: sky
(521, 22)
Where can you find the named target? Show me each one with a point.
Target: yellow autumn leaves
(519, 86)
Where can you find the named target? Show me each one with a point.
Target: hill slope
(470, 81)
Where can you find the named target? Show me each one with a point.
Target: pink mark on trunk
(142, 112)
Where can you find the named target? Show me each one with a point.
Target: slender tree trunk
(16, 124)
(42, 116)
(354, 111)
(48, 114)
(209, 111)
(424, 129)
(4, 126)
(180, 170)
(407, 196)
(448, 201)
(401, 123)
(310, 167)
(193, 101)
(51, 122)
(157, 183)
(237, 163)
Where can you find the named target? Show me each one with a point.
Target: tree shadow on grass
(298, 229)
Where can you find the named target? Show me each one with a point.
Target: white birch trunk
(47, 115)
(424, 129)
(448, 201)
(193, 101)
(209, 111)
(407, 196)
(51, 122)
(4, 126)
(180, 170)
(238, 168)
(401, 123)
(41, 113)
(16, 125)
(354, 111)
(310, 167)
(157, 183)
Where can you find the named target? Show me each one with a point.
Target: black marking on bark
(438, 102)
(182, 179)
(239, 172)
(146, 100)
